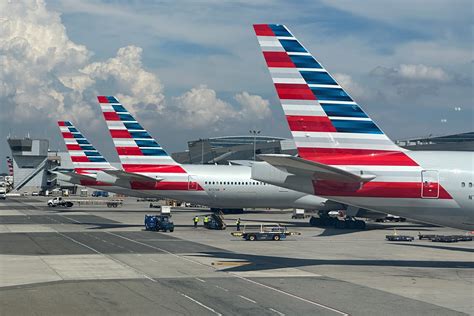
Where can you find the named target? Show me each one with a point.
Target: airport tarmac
(96, 260)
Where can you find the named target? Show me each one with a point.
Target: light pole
(254, 133)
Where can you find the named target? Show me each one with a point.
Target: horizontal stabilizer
(74, 175)
(123, 175)
(318, 171)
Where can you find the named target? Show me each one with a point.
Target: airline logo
(328, 126)
(85, 158)
(139, 152)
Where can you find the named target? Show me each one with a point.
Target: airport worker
(206, 220)
(238, 224)
(196, 221)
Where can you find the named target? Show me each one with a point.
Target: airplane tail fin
(328, 126)
(85, 158)
(137, 149)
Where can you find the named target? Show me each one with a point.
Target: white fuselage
(452, 205)
(231, 186)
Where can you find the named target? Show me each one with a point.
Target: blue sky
(408, 63)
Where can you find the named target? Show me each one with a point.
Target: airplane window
(246, 183)
(220, 182)
(470, 184)
(212, 182)
(463, 184)
(205, 182)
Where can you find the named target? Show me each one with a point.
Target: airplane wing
(296, 165)
(123, 175)
(74, 175)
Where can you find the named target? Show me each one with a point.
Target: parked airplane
(87, 162)
(217, 186)
(344, 156)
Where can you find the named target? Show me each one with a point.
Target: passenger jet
(344, 156)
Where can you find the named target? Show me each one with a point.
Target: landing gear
(347, 222)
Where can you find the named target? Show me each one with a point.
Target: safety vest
(196, 219)
(206, 219)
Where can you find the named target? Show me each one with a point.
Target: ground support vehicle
(158, 222)
(264, 233)
(216, 221)
(298, 213)
(59, 202)
(346, 222)
(399, 238)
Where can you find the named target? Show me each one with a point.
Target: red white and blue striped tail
(85, 158)
(137, 149)
(328, 126)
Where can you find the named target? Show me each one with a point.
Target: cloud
(348, 84)
(200, 107)
(413, 72)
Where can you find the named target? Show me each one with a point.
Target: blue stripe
(73, 130)
(146, 143)
(364, 127)
(119, 108)
(82, 141)
(305, 62)
(68, 123)
(85, 147)
(140, 134)
(153, 152)
(92, 153)
(112, 99)
(316, 77)
(126, 117)
(78, 136)
(132, 125)
(97, 159)
(292, 46)
(331, 94)
(279, 30)
(347, 110)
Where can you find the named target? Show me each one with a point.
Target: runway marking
(291, 295)
(275, 311)
(110, 257)
(247, 299)
(201, 304)
(200, 280)
(220, 287)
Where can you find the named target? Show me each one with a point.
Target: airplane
(221, 187)
(344, 156)
(87, 163)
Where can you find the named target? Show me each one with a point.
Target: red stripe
(79, 159)
(94, 183)
(87, 170)
(103, 99)
(278, 60)
(62, 123)
(164, 186)
(120, 133)
(111, 116)
(310, 123)
(371, 157)
(294, 91)
(263, 30)
(141, 168)
(67, 135)
(374, 189)
(73, 147)
(132, 151)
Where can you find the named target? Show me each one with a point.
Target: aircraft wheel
(276, 237)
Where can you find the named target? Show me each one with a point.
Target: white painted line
(278, 312)
(200, 280)
(201, 304)
(220, 287)
(247, 299)
(292, 295)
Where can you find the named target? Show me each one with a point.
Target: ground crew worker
(206, 221)
(196, 221)
(238, 224)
